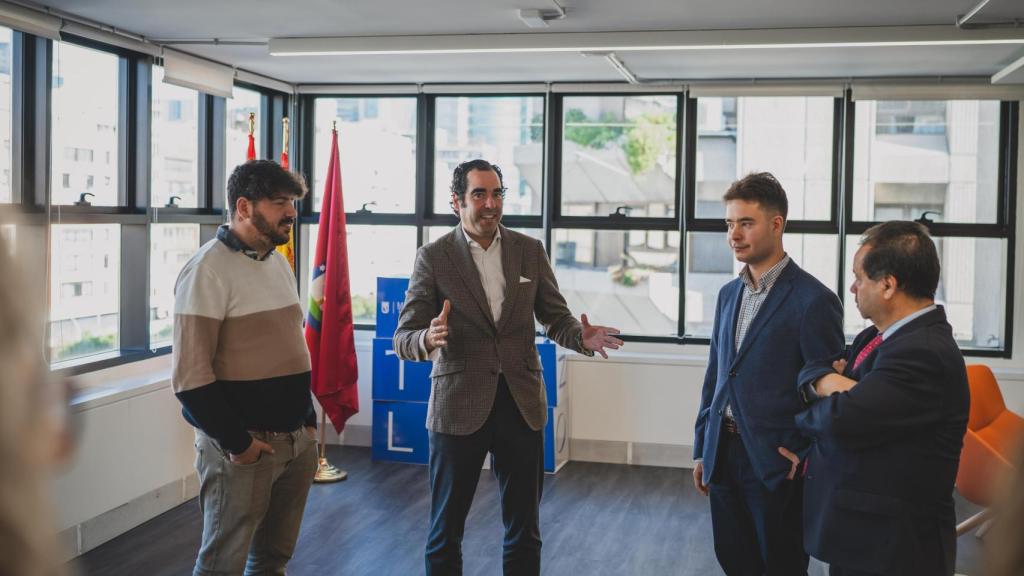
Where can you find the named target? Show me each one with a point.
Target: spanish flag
(287, 250)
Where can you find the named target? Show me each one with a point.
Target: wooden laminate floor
(596, 519)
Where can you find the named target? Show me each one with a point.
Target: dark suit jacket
(801, 321)
(464, 377)
(878, 495)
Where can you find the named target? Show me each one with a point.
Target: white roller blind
(109, 38)
(755, 89)
(31, 21)
(484, 88)
(350, 89)
(616, 87)
(264, 82)
(192, 72)
(937, 90)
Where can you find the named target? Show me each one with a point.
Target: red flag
(284, 148)
(250, 154)
(288, 249)
(329, 328)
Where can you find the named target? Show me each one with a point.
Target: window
(975, 304)
(175, 143)
(941, 160)
(84, 320)
(711, 265)
(623, 278)
(236, 138)
(940, 156)
(85, 120)
(377, 150)
(393, 253)
(6, 116)
(171, 246)
(910, 117)
(507, 131)
(790, 137)
(619, 151)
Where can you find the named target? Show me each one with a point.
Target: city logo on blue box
(390, 300)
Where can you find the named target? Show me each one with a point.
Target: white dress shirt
(492, 274)
(492, 277)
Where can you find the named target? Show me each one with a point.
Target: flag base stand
(326, 473)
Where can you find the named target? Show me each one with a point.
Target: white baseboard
(634, 453)
(81, 538)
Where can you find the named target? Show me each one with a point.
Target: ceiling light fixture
(654, 41)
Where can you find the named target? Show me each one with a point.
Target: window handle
(365, 210)
(172, 202)
(620, 212)
(83, 201)
(925, 220)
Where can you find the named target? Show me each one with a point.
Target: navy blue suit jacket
(800, 321)
(878, 495)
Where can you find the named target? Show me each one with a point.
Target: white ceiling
(258, 20)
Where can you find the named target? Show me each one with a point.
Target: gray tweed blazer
(465, 374)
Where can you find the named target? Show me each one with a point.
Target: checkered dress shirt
(752, 300)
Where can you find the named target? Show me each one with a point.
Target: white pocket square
(523, 280)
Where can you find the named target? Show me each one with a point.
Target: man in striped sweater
(242, 372)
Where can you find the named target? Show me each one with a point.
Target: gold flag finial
(252, 123)
(285, 134)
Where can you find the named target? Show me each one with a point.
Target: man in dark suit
(889, 422)
(470, 307)
(769, 323)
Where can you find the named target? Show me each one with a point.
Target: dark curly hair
(460, 177)
(262, 180)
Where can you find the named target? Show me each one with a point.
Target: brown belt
(730, 426)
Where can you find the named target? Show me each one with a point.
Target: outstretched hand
(597, 338)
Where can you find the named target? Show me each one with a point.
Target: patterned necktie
(867, 350)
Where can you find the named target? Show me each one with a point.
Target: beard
(271, 231)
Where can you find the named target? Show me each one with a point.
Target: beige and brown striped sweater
(240, 361)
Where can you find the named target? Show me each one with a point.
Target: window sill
(115, 384)
(105, 360)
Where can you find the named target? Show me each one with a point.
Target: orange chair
(993, 433)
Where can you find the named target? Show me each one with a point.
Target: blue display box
(390, 299)
(553, 360)
(395, 379)
(556, 439)
(399, 434)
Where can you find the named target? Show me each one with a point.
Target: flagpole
(336, 391)
(326, 472)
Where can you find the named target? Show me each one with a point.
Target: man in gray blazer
(470, 308)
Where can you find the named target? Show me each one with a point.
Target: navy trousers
(517, 462)
(757, 531)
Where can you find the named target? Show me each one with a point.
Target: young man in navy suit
(770, 322)
(889, 422)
